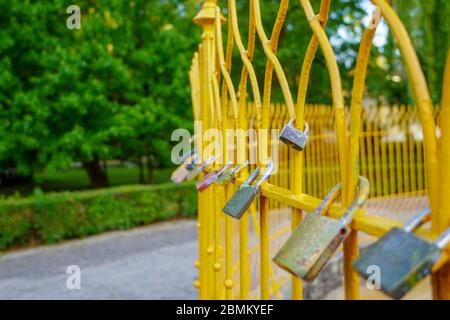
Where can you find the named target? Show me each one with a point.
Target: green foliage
(115, 89)
(344, 27)
(428, 24)
(118, 87)
(50, 218)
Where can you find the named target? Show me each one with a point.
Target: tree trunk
(105, 169)
(141, 170)
(150, 170)
(97, 174)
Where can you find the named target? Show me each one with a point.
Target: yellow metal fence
(396, 148)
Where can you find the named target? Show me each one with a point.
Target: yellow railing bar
(422, 98)
(350, 277)
(351, 243)
(441, 279)
(245, 59)
(372, 225)
(336, 86)
(268, 50)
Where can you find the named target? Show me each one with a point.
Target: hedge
(49, 218)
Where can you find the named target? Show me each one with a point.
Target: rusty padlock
(230, 175)
(199, 169)
(403, 258)
(211, 177)
(316, 239)
(294, 137)
(182, 172)
(244, 196)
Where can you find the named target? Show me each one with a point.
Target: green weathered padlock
(244, 196)
(315, 240)
(403, 258)
(230, 175)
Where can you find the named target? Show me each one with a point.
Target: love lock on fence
(246, 194)
(403, 258)
(315, 240)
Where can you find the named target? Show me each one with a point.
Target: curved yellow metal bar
(359, 82)
(441, 280)
(308, 61)
(350, 245)
(422, 99)
(298, 157)
(223, 65)
(336, 86)
(247, 63)
(266, 44)
(278, 25)
(247, 71)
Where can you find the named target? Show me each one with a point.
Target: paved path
(155, 262)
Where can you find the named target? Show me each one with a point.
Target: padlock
(211, 177)
(182, 172)
(403, 258)
(316, 239)
(294, 137)
(199, 169)
(191, 165)
(244, 196)
(187, 158)
(230, 175)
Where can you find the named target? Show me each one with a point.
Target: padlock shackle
(421, 218)
(192, 158)
(186, 157)
(225, 168)
(252, 177)
(232, 171)
(360, 200)
(207, 163)
(267, 173)
(241, 167)
(330, 198)
(443, 240)
(305, 131)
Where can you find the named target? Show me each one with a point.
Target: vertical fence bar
(441, 279)
(351, 243)
(264, 247)
(205, 18)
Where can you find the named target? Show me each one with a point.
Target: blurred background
(86, 115)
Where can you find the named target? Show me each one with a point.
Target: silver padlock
(294, 137)
(244, 196)
(199, 169)
(183, 171)
(230, 175)
(210, 178)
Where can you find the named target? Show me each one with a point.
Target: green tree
(428, 24)
(84, 95)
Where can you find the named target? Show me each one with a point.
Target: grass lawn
(77, 179)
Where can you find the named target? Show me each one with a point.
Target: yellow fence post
(441, 279)
(205, 18)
